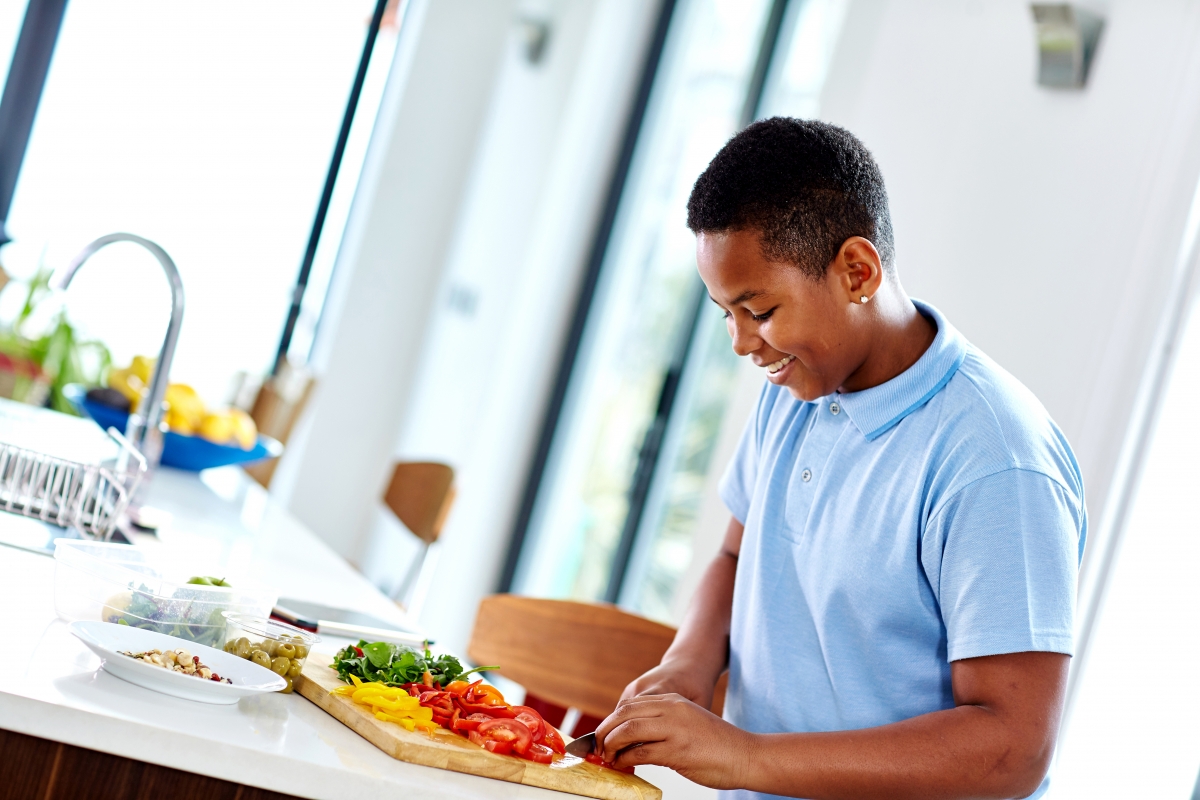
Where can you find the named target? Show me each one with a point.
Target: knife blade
(582, 746)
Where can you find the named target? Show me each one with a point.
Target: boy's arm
(700, 651)
(997, 741)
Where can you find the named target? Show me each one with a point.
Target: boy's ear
(859, 269)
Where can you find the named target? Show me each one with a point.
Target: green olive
(268, 646)
(295, 668)
(289, 688)
(301, 650)
(230, 646)
(241, 648)
(286, 649)
(280, 665)
(260, 658)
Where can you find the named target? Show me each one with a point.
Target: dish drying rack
(88, 497)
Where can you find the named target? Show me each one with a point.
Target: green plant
(59, 351)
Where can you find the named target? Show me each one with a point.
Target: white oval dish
(107, 641)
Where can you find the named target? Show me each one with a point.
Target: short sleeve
(1002, 556)
(737, 484)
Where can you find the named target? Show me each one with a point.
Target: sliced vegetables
(390, 704)
(474, 711)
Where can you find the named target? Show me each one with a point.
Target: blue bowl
(182, 452)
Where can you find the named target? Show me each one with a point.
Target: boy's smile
(785, 321)
(814, 336)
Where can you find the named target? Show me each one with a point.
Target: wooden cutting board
(452, 752)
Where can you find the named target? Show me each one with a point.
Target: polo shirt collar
(876, 410)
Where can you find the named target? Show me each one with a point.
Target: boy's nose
(743, 343)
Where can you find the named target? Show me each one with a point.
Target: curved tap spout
(145, 427)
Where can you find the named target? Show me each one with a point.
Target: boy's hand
(672, 731)
(673, 677)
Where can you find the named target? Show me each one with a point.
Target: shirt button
(806, 476)
(835, 409)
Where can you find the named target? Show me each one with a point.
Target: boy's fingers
(641, 730)
(642, 705)
(650, 753)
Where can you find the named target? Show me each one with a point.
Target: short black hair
(806, 186)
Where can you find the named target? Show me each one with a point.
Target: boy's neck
(899, 334)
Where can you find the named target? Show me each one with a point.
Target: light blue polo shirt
(888, 532)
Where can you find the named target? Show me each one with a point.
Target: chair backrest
(421, 494)
(579, 655)
(276, 408)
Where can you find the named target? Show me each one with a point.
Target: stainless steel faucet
(145, 428)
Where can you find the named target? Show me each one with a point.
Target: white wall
(1044, 223)
(508, 289)
(390, 263)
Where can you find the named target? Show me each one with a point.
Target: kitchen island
(60, 713)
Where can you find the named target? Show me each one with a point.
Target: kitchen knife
(582, 746)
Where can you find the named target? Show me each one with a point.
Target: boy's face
(806, 333)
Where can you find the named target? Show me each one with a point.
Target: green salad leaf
(396, 664)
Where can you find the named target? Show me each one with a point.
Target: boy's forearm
(997, 742)
(958, 753)
(703, 638)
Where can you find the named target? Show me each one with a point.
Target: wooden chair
(568, 654)
(275, 409)
(420, 494)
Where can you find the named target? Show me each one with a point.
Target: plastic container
(128, 585)
(275, 645)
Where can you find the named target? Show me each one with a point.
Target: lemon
(179, 422)
(128, 384)
(185, 405)
(143, 367)
(217, 428)
(244, 429)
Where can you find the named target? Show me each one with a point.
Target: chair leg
(404, 590)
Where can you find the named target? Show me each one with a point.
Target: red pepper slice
(358, 650)
(492, 711)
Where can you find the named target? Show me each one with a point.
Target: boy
(894, 597)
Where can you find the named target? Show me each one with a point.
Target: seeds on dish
(177, 661)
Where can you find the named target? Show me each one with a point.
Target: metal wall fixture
(535, 36)
(1067, 36)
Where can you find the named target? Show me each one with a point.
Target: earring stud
(864, 299)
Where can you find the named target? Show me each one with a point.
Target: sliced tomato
(499, 748)
(554, 740)
(514, 733)
(491, 711)
(540, 753)
(531, 719)
(475, 737)
(472, 722)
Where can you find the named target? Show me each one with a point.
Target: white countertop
(51, 685)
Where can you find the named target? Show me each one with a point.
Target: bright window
(12, 14)
(208, 129)
(1133, 730)
(643, 306)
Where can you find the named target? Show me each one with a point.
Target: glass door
(614, 421)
